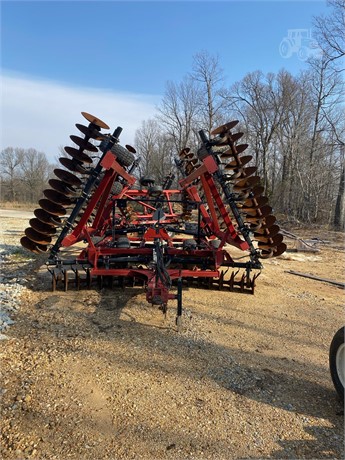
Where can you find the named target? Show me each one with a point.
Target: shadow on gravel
(263, 378)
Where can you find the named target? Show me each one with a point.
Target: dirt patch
(102, 375)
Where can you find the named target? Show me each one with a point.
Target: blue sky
(116, 57)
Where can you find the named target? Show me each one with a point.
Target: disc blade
(241, 148)
(235, 137)
(67, 177)
(62, 187)
(264, 233)
(227, 154)
(236, 175)
(246, 183)
(46, 217)
(57, 197)
(251, 209)
(253, 202)
(273, 252)
(53, 208)
(96, 121)
(37, 237)
(224, 128)
(253, 219)
(78, 155)
(241, 161)
(184, 151)
(130, 148)
(257, 191)
(279, 250)
(73, 165)
(91, 133)
(271, 242)
(260, 212)
(246, 172)
(41, 227)
(269, 221)
(83, 143)
(32, 246)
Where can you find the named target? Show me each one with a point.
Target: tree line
(294, 125)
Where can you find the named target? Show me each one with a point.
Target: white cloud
(42, 114)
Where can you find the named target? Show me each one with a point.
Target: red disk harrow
(134, 232)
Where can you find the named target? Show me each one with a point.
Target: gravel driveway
(102, 375)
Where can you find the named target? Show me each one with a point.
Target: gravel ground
(102, 375)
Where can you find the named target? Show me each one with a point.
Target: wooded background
(294, 125)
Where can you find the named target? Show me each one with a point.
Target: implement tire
(337, 362)
(123, 156)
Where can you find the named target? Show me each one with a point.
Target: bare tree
(179, 111)
(10, 162)
(156, 151)
(208, 74)
(35, 172)
(330, 31)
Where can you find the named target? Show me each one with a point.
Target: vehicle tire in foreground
(337, 362)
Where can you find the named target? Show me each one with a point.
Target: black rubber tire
(202, 153)
(145, 181)
(116, 188)
(123, 242)
(155, 190)
(337, 348)
(189, 244)
(124, 157)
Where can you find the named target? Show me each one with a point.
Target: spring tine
(78, 155)
(37, 237)
(65, 280)
(67, 177)
(94, 120)
(88, 278)
(242, 282)
(221, 280)
(32, 246)
(41, 227)
(52, 208)
(225, 128)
